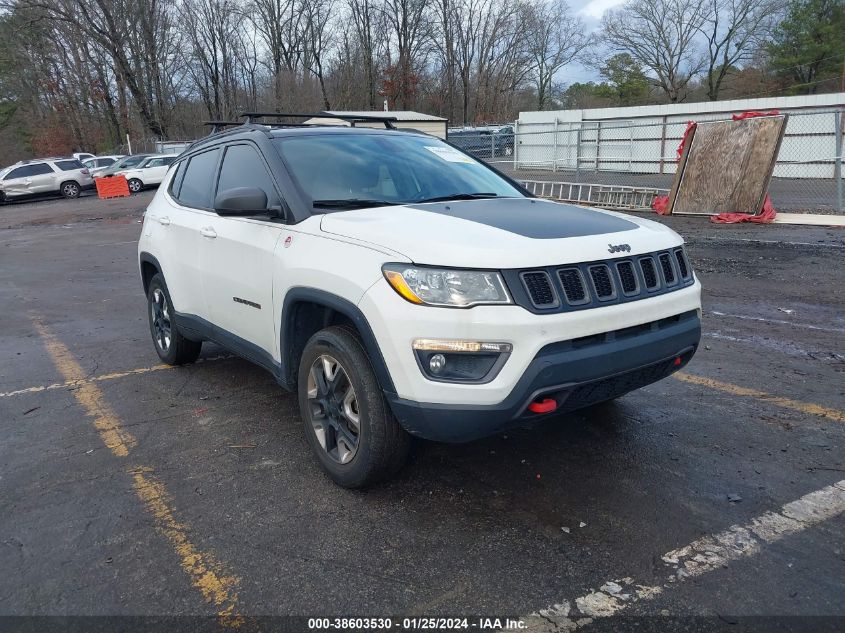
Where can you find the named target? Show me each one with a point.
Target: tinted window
(68, 165)
(104, 162)
(198, 182)
(176, 183)
(243, 167)
(154, 162)
(43, 168)
(168, 160)
(20, 172)
(391, 167)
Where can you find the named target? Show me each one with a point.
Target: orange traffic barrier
(112, 186)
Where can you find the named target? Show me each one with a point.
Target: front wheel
(70, 189)
(347, 421)
(172, 347)
(134, 185)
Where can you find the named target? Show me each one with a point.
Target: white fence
(643, 140)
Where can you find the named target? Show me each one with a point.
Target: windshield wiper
(353, 203)
(460, 196)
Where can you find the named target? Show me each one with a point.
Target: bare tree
(555, 38)
(661, 36)
(411, 28)
(734, 30)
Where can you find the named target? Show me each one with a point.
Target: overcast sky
(590, 11)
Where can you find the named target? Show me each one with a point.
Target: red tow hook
(546, 405)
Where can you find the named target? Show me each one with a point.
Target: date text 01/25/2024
(416, 624)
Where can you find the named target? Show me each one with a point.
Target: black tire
(134, 185)
(70, 189)
(382, 446)
(172, 349)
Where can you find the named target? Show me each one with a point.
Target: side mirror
(241, 201)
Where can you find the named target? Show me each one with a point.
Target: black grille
(682, 263)
(587, 285)
(666, 267)
(628, 277)
(649, 273)
(602, 282)
(573, 285)
(539, 289)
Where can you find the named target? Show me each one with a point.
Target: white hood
(501, 233)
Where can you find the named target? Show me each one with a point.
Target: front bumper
(575, 373)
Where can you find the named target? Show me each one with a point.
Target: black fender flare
(347, 309)
(143, 258)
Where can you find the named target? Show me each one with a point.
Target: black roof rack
(216, 126)
(352, 119)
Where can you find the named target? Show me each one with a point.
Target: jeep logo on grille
(619, 248)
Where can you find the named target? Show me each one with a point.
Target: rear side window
(243, 167)
(68, 165)
(198, 181)
(105, 162)
(168, 160)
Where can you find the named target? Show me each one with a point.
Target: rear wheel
(347, 421)
(135, 185)
(172, 347)
(70, 189)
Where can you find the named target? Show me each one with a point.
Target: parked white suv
(403, 288)
(148, 173)
(64, 176)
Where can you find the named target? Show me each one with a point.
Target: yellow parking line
(118, 440)
(736, 390)
(73, 384)
(205, 572)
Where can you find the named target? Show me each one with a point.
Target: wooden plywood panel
(726, 166)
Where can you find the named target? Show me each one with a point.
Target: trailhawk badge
(619, 248)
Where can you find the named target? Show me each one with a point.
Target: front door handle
(165, 221)
(208, 231)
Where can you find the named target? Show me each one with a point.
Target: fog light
(436, 363)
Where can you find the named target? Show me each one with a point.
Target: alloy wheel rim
(333, 409)
(71, 190)
(160, 312)
(134, 186)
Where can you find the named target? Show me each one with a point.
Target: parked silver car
(65, 176)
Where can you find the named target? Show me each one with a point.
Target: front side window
(20, 172)
(243, 167)
(198, 181)
(336, 170)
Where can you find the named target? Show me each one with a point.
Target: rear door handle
(208, 231)
(164, 221)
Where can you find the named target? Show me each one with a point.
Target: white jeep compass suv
(403, 288)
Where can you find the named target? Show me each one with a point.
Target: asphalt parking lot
(129, 488)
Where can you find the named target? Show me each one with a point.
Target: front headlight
(445, 287)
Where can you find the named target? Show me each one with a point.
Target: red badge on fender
(288, 241)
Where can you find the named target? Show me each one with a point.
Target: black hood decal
(530, 217)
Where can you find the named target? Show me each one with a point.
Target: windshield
(124, 163)
(357, 170)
